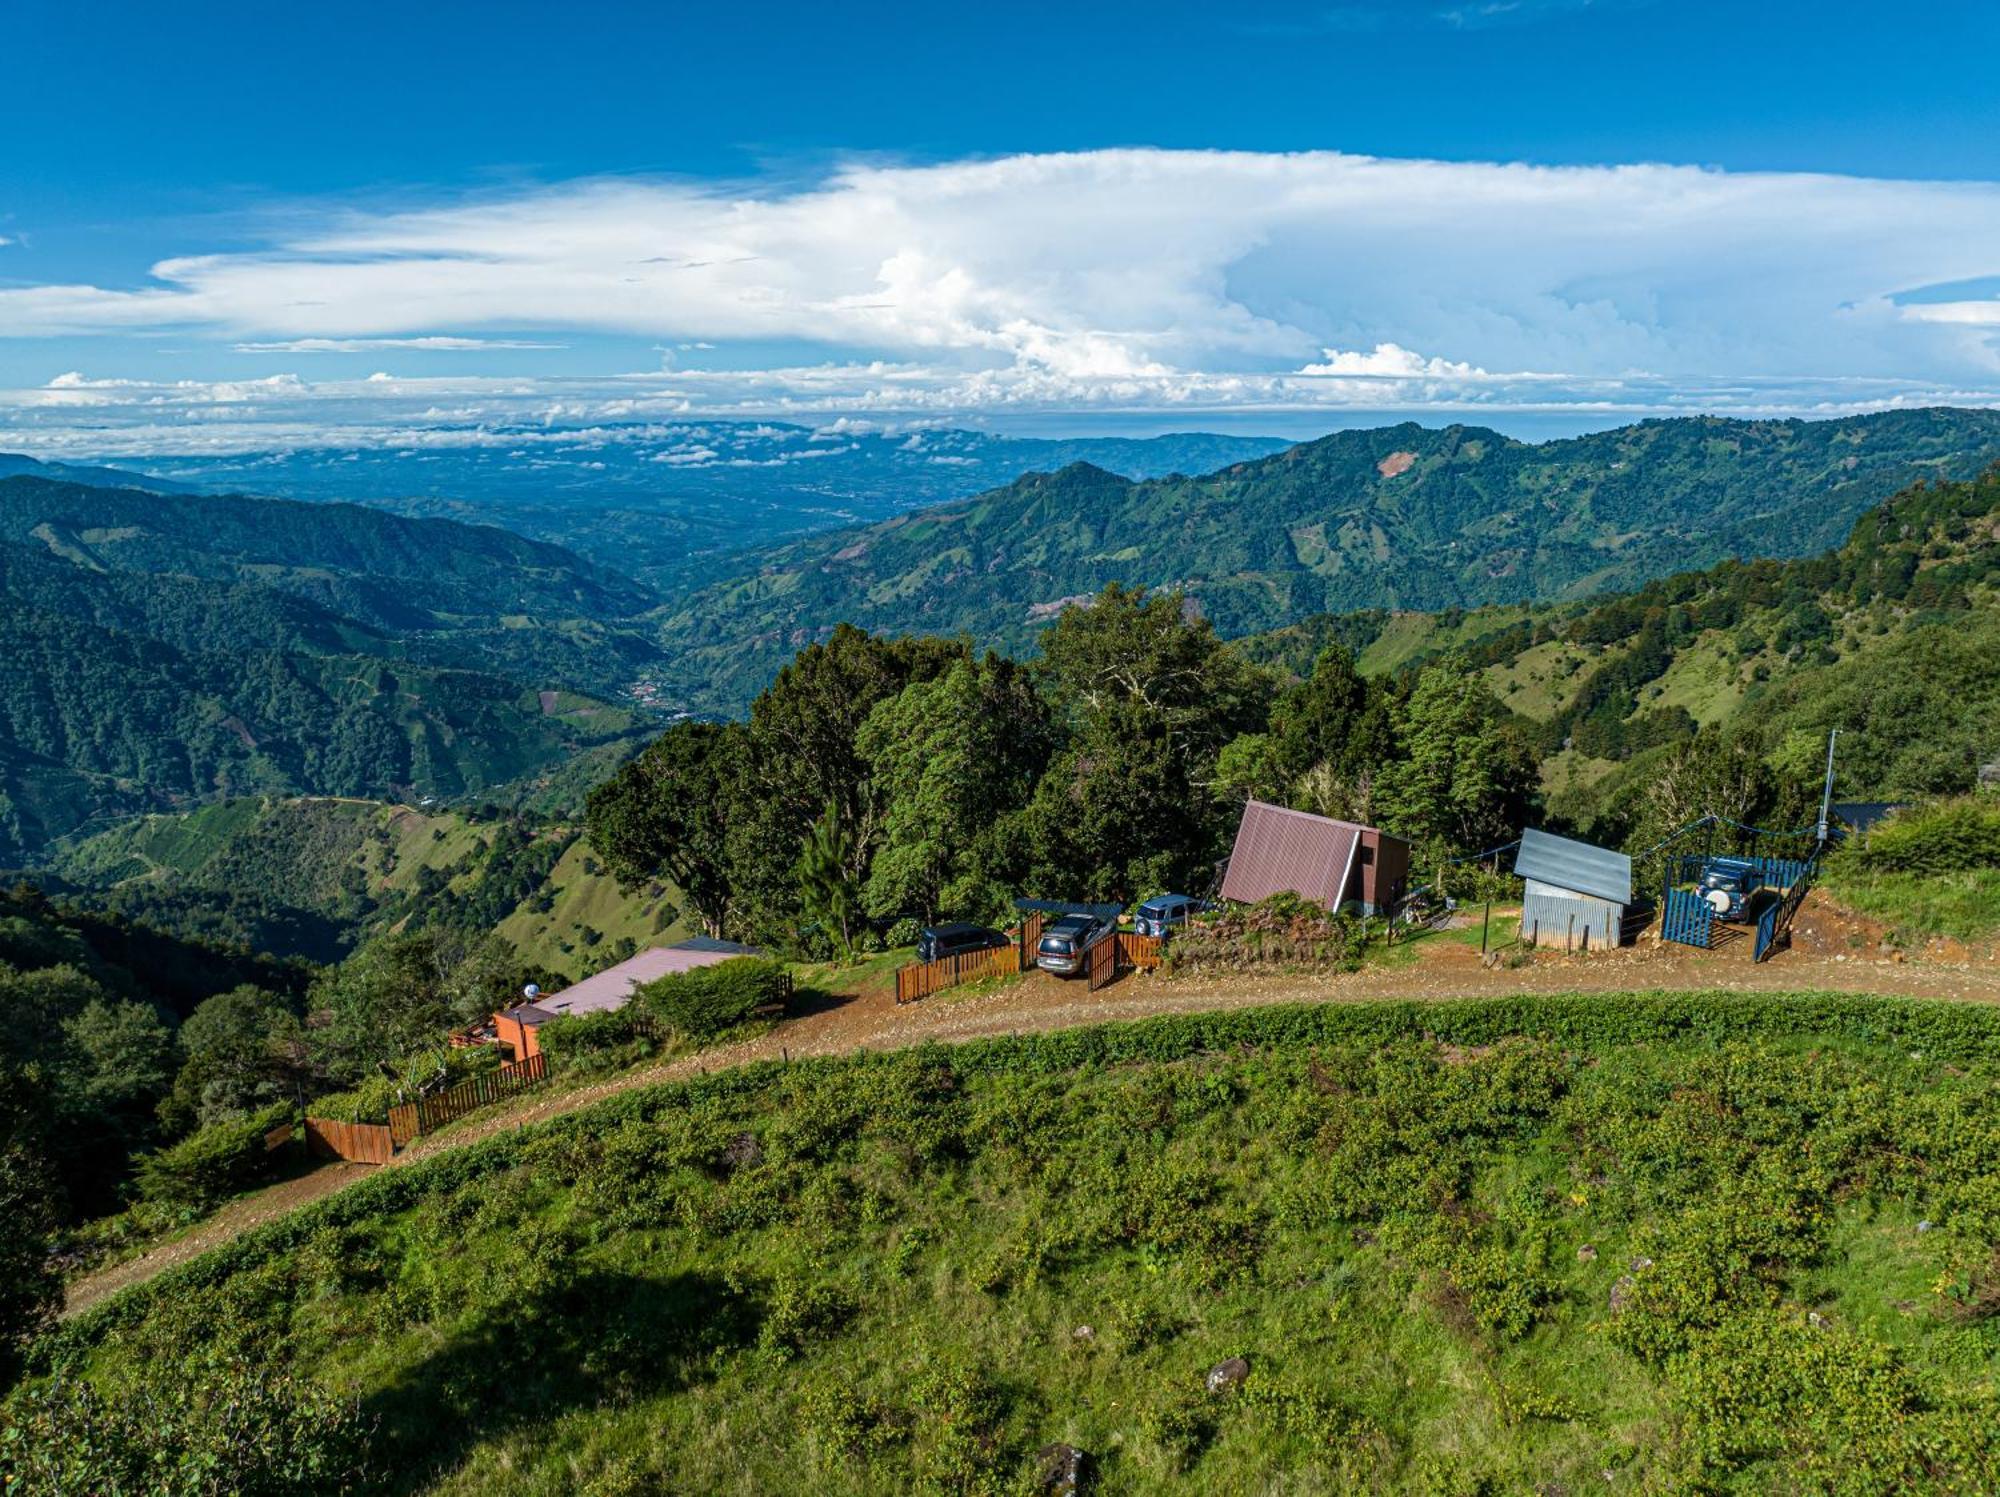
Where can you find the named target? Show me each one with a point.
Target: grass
(911, 1272)
(1962, 906)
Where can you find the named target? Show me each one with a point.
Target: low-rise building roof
(1580, 867)
(1280, 850)
(612, 988)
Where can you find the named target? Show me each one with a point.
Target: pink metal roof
(611, 988)
(1279, 850)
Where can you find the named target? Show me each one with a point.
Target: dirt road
(871, 1019)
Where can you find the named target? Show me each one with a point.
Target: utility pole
(1826, 796)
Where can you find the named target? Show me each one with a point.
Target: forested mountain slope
(1401, 517)
(1893, 637)
(166, 649)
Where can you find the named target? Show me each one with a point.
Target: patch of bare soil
(1396, 463)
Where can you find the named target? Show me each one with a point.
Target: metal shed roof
(1577, 866)
(1278, 850)
(611, 988)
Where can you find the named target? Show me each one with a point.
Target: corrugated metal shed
(1576, 866)
(1279, 850)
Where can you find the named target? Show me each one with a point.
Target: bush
(703, 1003)
(231, 1430)
(602, 1042)
(1943, 837)
(217, 1162)
(904, 932)
(371, 1100)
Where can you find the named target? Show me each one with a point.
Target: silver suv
(1065, 946)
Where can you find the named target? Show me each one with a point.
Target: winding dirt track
(872, 1020)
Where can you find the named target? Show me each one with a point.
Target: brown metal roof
(1279, 850)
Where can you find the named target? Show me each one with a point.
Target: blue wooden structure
(1687, 918)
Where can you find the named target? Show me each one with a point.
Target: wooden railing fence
(377, 1143)
(921, 979)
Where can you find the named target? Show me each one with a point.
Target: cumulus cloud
(1118, 280)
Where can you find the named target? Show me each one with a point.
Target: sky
(226, 227)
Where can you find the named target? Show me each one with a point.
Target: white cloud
(1106, 280)
(435, 343)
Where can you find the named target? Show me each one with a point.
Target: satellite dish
(532, 991)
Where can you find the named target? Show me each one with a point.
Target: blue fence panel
(1687, 918)
(1767, 930)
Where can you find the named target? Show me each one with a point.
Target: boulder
(1227, 1374)
(1063, 1470)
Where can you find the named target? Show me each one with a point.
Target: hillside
(1893, 637)
(166, 649)
(312, 877)
(1401, 517)
(1703, 1243)
(659, 502)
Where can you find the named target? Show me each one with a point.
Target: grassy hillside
(310, 877)
(1674, 1244)
(1400, 517)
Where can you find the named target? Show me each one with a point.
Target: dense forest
(168, 649)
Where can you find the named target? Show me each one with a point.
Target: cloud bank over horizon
(1103, 282)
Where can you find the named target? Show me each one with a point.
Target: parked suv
(1727, 884)
(1158, 916)
(1066, 944)
(936, 942)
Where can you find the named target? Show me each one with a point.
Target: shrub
(904, 932)
(1942, 837)
(231, 1430)
(604, 1041)
(703, 1003)
(216, 1162)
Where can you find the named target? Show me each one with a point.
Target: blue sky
(222, 220)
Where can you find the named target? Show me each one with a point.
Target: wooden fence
(1141, 953)
(1127, 952)
(427, 1114)
(364, 1143)
(921, 979)
(377, 1143)
(1101, 961)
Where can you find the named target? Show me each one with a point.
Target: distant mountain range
(658, 502)
(1402, 517)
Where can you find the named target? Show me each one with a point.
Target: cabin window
(1367, 856)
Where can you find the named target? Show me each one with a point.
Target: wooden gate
(1687, 919)
(1101, 961)
(1031, 937)
(1774, 926)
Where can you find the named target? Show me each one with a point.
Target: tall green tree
(800, 756)
(1148, 697)
(829, 894)
(240, 1051)
(30, 1288)
(1465, 779)
(954, 760)
(667, 815)
(400, 994)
